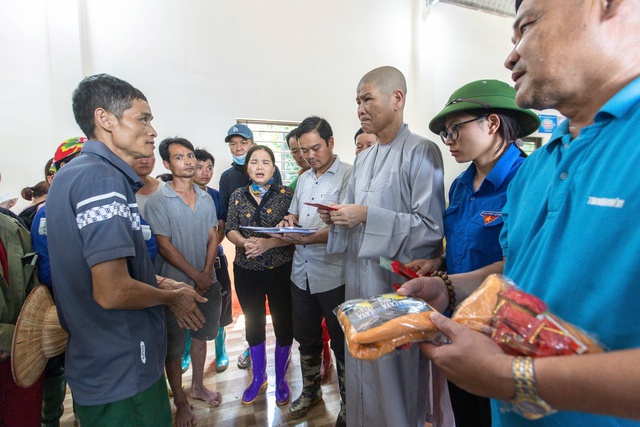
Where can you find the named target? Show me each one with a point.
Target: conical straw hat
(37, 337)
(54, 338)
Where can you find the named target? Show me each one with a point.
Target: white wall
(204, 63)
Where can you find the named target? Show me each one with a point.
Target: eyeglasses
(453, 131)
(244, 143)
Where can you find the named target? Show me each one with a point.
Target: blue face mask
(239, 159)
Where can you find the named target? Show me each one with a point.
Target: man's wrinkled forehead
(367, 88)
(362, 87)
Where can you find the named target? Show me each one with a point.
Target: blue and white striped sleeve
(106, 220)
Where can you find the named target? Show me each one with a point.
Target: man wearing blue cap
(240, 140)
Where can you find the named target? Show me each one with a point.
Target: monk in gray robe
(393, 207)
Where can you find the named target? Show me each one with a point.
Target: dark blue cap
(240, 130)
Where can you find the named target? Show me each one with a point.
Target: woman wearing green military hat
(480, 124)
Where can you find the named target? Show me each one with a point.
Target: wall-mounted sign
(548, 123)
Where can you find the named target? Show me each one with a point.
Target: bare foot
(212, 397)
(184, 416)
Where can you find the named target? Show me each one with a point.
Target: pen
(293, 224)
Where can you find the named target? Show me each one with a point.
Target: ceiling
(498, 7)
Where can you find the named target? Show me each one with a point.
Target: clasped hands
(256, 246)
(184, 304)
(203, 281)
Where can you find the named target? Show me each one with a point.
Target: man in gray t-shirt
(183, 219)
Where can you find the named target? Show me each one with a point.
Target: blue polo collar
(620, 104)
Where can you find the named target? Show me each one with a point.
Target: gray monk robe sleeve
(402, 184)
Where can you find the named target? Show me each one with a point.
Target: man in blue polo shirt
(570, 223)
(109, 299)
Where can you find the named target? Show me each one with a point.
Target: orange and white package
(377, 326)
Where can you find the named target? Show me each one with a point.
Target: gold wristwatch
(527, 402)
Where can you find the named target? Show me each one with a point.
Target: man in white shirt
(317, 278)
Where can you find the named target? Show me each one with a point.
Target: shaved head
(387, 79)
(380, 97)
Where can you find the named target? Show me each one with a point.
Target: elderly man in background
(364, 140)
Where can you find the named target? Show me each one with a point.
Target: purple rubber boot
(283, 392)
(259, 382)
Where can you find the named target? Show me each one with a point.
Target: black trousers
(252, 288)
(308, 311)
(469, 410)
(222, 274)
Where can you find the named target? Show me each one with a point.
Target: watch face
(532, 408)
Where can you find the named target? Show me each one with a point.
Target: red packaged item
(526, 326)
(398, 268)
(511, 342)
(520, 323)
(526, 301)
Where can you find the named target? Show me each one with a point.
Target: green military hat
(485, 96)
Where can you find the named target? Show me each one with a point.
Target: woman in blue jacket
(480, 124)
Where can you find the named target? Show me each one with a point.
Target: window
(272, 133)
(531, 143)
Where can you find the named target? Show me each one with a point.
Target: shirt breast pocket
(451, 218)
(485, 230)
(487, 219)
(329, 196)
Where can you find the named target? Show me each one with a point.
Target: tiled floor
(232, 382)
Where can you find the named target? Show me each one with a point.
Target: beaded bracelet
(452, 293)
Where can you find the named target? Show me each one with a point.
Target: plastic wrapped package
(377, 326)
(520, 323)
